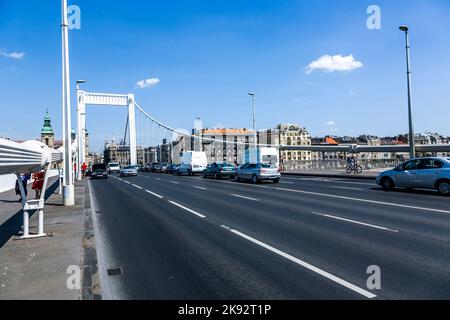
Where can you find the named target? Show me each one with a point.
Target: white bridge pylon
(103, 99)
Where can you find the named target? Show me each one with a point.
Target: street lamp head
(404, 28)
(81, 81)
(252, 94)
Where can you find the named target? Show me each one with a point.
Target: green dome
(47, 128)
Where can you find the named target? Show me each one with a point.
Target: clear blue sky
(208, 55)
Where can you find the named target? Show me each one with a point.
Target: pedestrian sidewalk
(37, 269)
(367, 174)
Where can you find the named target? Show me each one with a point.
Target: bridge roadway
(305, 238)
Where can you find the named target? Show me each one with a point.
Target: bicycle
(355, 168)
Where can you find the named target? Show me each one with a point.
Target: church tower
(47, 134)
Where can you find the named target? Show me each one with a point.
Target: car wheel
(255, 179)
(444, 187)
(387, 184)
(276, 181)
(236, 178)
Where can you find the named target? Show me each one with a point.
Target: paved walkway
(37, 268)
(367, 174)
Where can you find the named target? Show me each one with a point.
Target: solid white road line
(244, 197)
(138, 187)
(346, 188)
(308, 266)
(174, 182)
(188, 210)
(154, 194)
(200, 188)
(354, 221)
(364, 200)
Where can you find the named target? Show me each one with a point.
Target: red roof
(329, 140)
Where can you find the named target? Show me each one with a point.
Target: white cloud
(12, 55)
(334, 63)
(330, 123)
(147, 83)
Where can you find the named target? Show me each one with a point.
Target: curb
(324, 175)
(91, 289)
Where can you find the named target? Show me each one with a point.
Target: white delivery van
(262, 155)
(192, 163)
(113, 167)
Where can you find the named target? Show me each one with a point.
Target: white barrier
(8, 181)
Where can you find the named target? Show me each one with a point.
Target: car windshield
(113, 165)
(98, 167)
(268, 166)
(129, 167)
(225, 165)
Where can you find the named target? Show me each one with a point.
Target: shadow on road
(13, 225)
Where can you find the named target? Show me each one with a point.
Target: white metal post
(26, 224)
(68, 190)
(79, 130)
(132, 119)
(41, 224)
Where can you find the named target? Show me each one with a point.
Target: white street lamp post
(255, 138)
(68, 187)
(412, 148)
(80, 133)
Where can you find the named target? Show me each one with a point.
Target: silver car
(423, 173)
(257, 173)
(129, 171)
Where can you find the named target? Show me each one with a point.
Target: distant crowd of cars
(249, 172)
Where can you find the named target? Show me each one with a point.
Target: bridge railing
(24, 158)
(339, 165)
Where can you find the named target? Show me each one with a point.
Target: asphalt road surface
(305, 238)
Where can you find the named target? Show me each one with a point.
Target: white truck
(264, 155)
(192, 163)
(113, 167)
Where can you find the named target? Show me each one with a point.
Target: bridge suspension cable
(172, 130)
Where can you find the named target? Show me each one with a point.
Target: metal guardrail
(26, 157)
(338, 165)
(432, 148)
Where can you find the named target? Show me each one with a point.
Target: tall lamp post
(412, 149)
(80, 133)
(68, 187)
(255, 138)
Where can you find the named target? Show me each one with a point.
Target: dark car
(219, 170)
(171, 169)
(156, 168)
(99, 171)
(164, 167)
